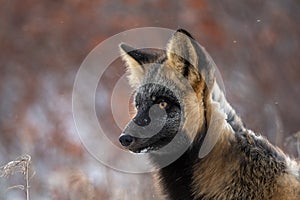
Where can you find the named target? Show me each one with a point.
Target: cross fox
(193, 136)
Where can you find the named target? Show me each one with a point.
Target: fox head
(172, 90)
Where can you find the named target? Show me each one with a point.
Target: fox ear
(182, 55)
(189, 58)
(135, 60)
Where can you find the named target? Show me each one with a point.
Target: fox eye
(162, 104)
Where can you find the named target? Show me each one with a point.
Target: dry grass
(21, 165)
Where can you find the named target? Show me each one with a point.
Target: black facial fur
(150, 116)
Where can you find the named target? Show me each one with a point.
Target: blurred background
(254, 43)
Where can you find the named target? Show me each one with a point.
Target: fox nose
(126, 140)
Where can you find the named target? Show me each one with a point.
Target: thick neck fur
(175, 180)
(240, 165)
